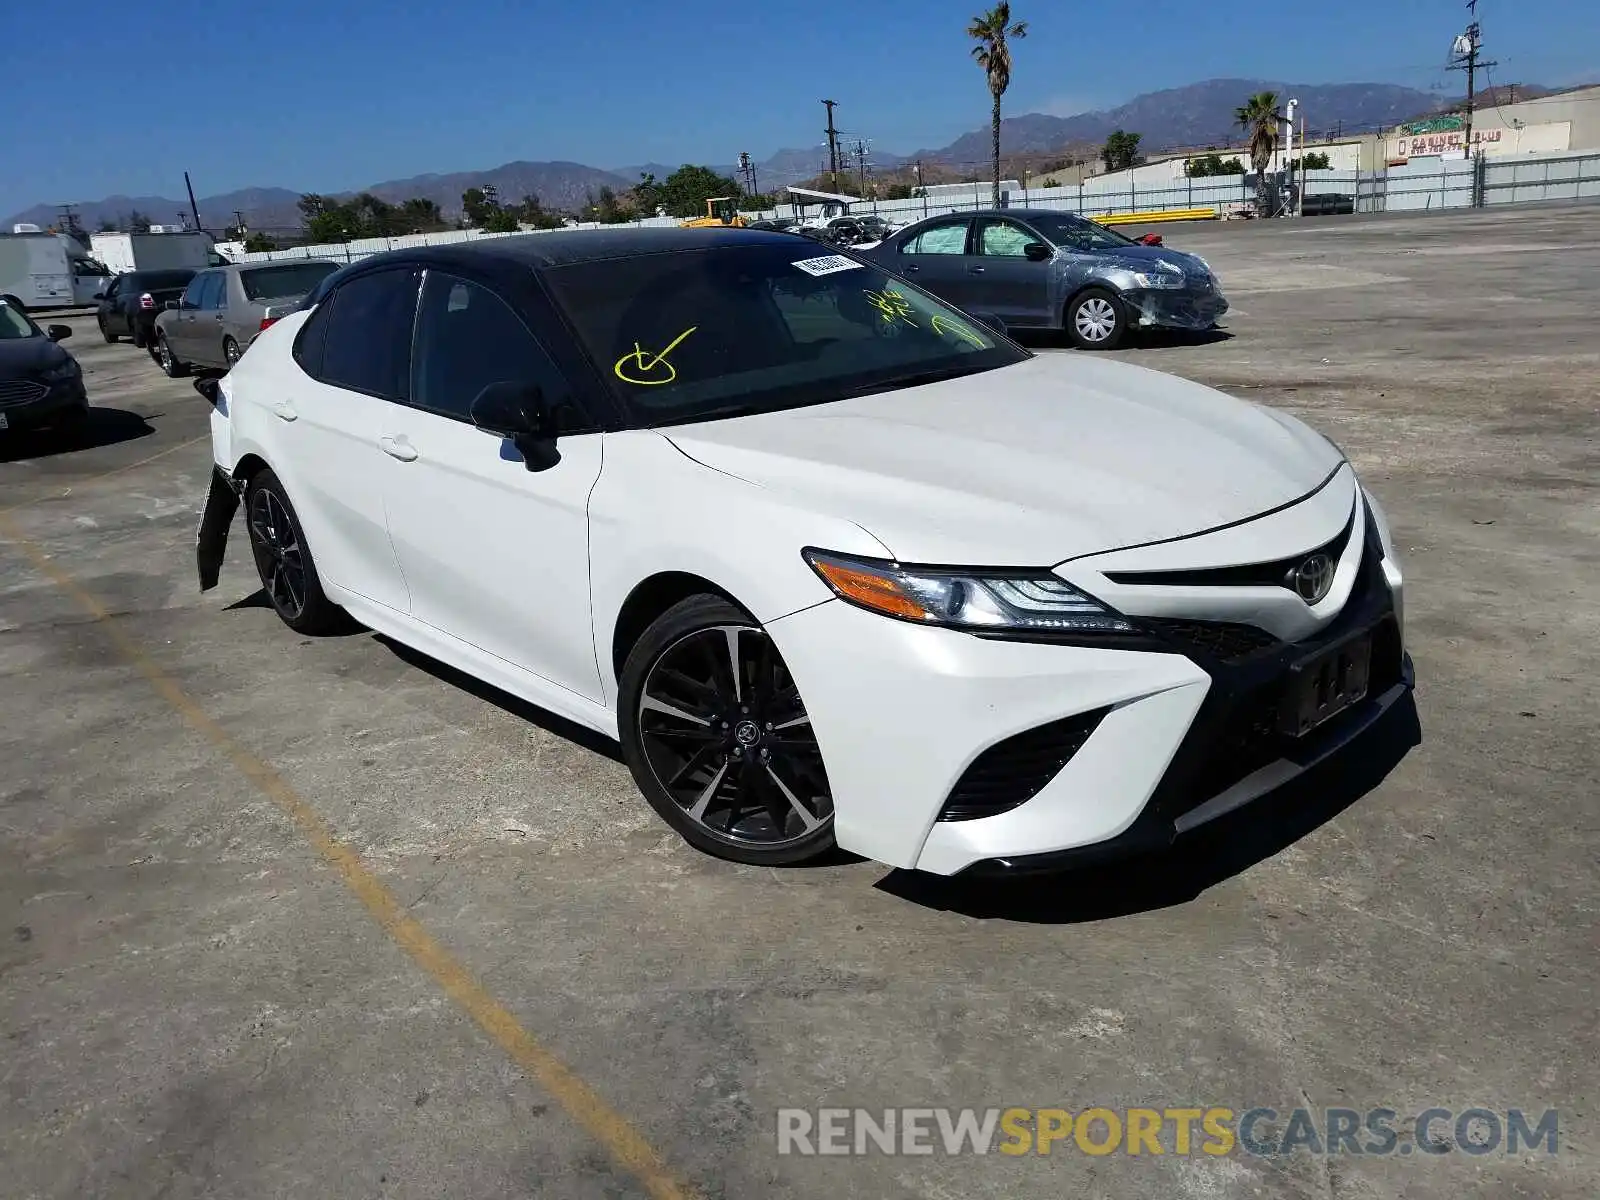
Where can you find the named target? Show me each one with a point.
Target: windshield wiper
(916, 379)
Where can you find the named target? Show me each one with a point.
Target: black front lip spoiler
(211, 538)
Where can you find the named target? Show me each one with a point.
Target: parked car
(1034, 268)
(773, 224)
(224, 309)
(40, 383)
(677, 486)
(131, 303)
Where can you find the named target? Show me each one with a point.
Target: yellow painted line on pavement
(582, 1103)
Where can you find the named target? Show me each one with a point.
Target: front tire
(718, 739)
(283, 560)
(105, 331)
(170, 362)
(1097, 319)
(231, 353)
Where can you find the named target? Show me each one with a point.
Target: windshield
(1077, 234)
(735, 330)
(296, 279)
(14, 325)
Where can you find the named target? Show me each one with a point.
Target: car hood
(1142, 258)
(1030, 465)
(26, 356)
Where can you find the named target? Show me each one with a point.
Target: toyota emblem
(1313, 578)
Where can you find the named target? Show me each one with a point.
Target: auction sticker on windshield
(828, 264)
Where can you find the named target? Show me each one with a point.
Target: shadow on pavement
(104, 427)
(1210, 855)
(1141, 339)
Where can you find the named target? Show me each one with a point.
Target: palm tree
(992, 31)
(1258, 116)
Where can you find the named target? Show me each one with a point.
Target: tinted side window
(216, 293)
(468, 338)
(940, 239)
(368, 340)
(191, 294)
(308, 343)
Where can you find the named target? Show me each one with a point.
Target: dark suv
(129, 306)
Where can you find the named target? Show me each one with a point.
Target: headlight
(974, 599)
(67, 370)
(1157, 279)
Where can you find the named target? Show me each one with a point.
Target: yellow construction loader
(720, 213)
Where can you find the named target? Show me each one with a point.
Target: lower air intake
(1012, 772)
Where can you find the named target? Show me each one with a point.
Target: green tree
(418, 215)
(647, 195)
(258, 243)
(607, 209)
(684, 193)
(1315, 161)
(107, 225)
(501, 220)
(994, 31)
(1258, 117)
(1121, 151)
(138, 222)
(897, 191)
(476, 208)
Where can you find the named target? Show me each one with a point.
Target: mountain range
(1200, 114)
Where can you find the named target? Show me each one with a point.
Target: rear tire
(1096, 319)
(136, 334)
(284, 562)
(231, 353)
(175, 367)
(718, 739)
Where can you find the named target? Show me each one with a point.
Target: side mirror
(172, 305)
(58, 333)
(98, 296)
(516, 411)
(1151, 239)
(1036, 251)
(210, 388)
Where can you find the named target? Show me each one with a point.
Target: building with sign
(1566, 121)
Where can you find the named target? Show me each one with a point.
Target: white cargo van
(154, 251)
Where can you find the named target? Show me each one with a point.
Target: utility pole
(192, 206)
(1467, 50)
(238, 224)
(921, 187)
(861, 164)
(833, 145)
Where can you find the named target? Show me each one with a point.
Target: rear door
(935, 257)
(493, 554)
(1005, 281)
(354, 355)
(208, 327)
(179, 326)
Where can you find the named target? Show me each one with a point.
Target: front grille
(1012, 772)
(1267, 574)
(21, 391)
(1224, 640)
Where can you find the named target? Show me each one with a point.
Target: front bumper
(1170, 735)
(54, 402)
(1175, 309)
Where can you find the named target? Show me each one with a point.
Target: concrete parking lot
(301, 917)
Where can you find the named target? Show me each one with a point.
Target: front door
(494, 554)
(1006, 282)
(178, 327)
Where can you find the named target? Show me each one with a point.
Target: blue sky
(328, 95)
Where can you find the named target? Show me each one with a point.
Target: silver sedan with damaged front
(1039, 269)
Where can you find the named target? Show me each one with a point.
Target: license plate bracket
(1326, 684)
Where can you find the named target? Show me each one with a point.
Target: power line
(1467, 56)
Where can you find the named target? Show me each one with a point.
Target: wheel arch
(650, 598)
(1091, 284)
(249, 466)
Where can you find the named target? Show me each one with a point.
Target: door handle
(398, 448)
(284, 411)
(912, 268)
(974, 270)
(219, 316)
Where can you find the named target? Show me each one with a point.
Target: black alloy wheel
(719, 740)
(283, 560)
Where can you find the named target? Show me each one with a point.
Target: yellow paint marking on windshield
(891, 304)
(943, 324)
(646, 367)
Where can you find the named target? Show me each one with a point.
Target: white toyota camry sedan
(835, 562)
